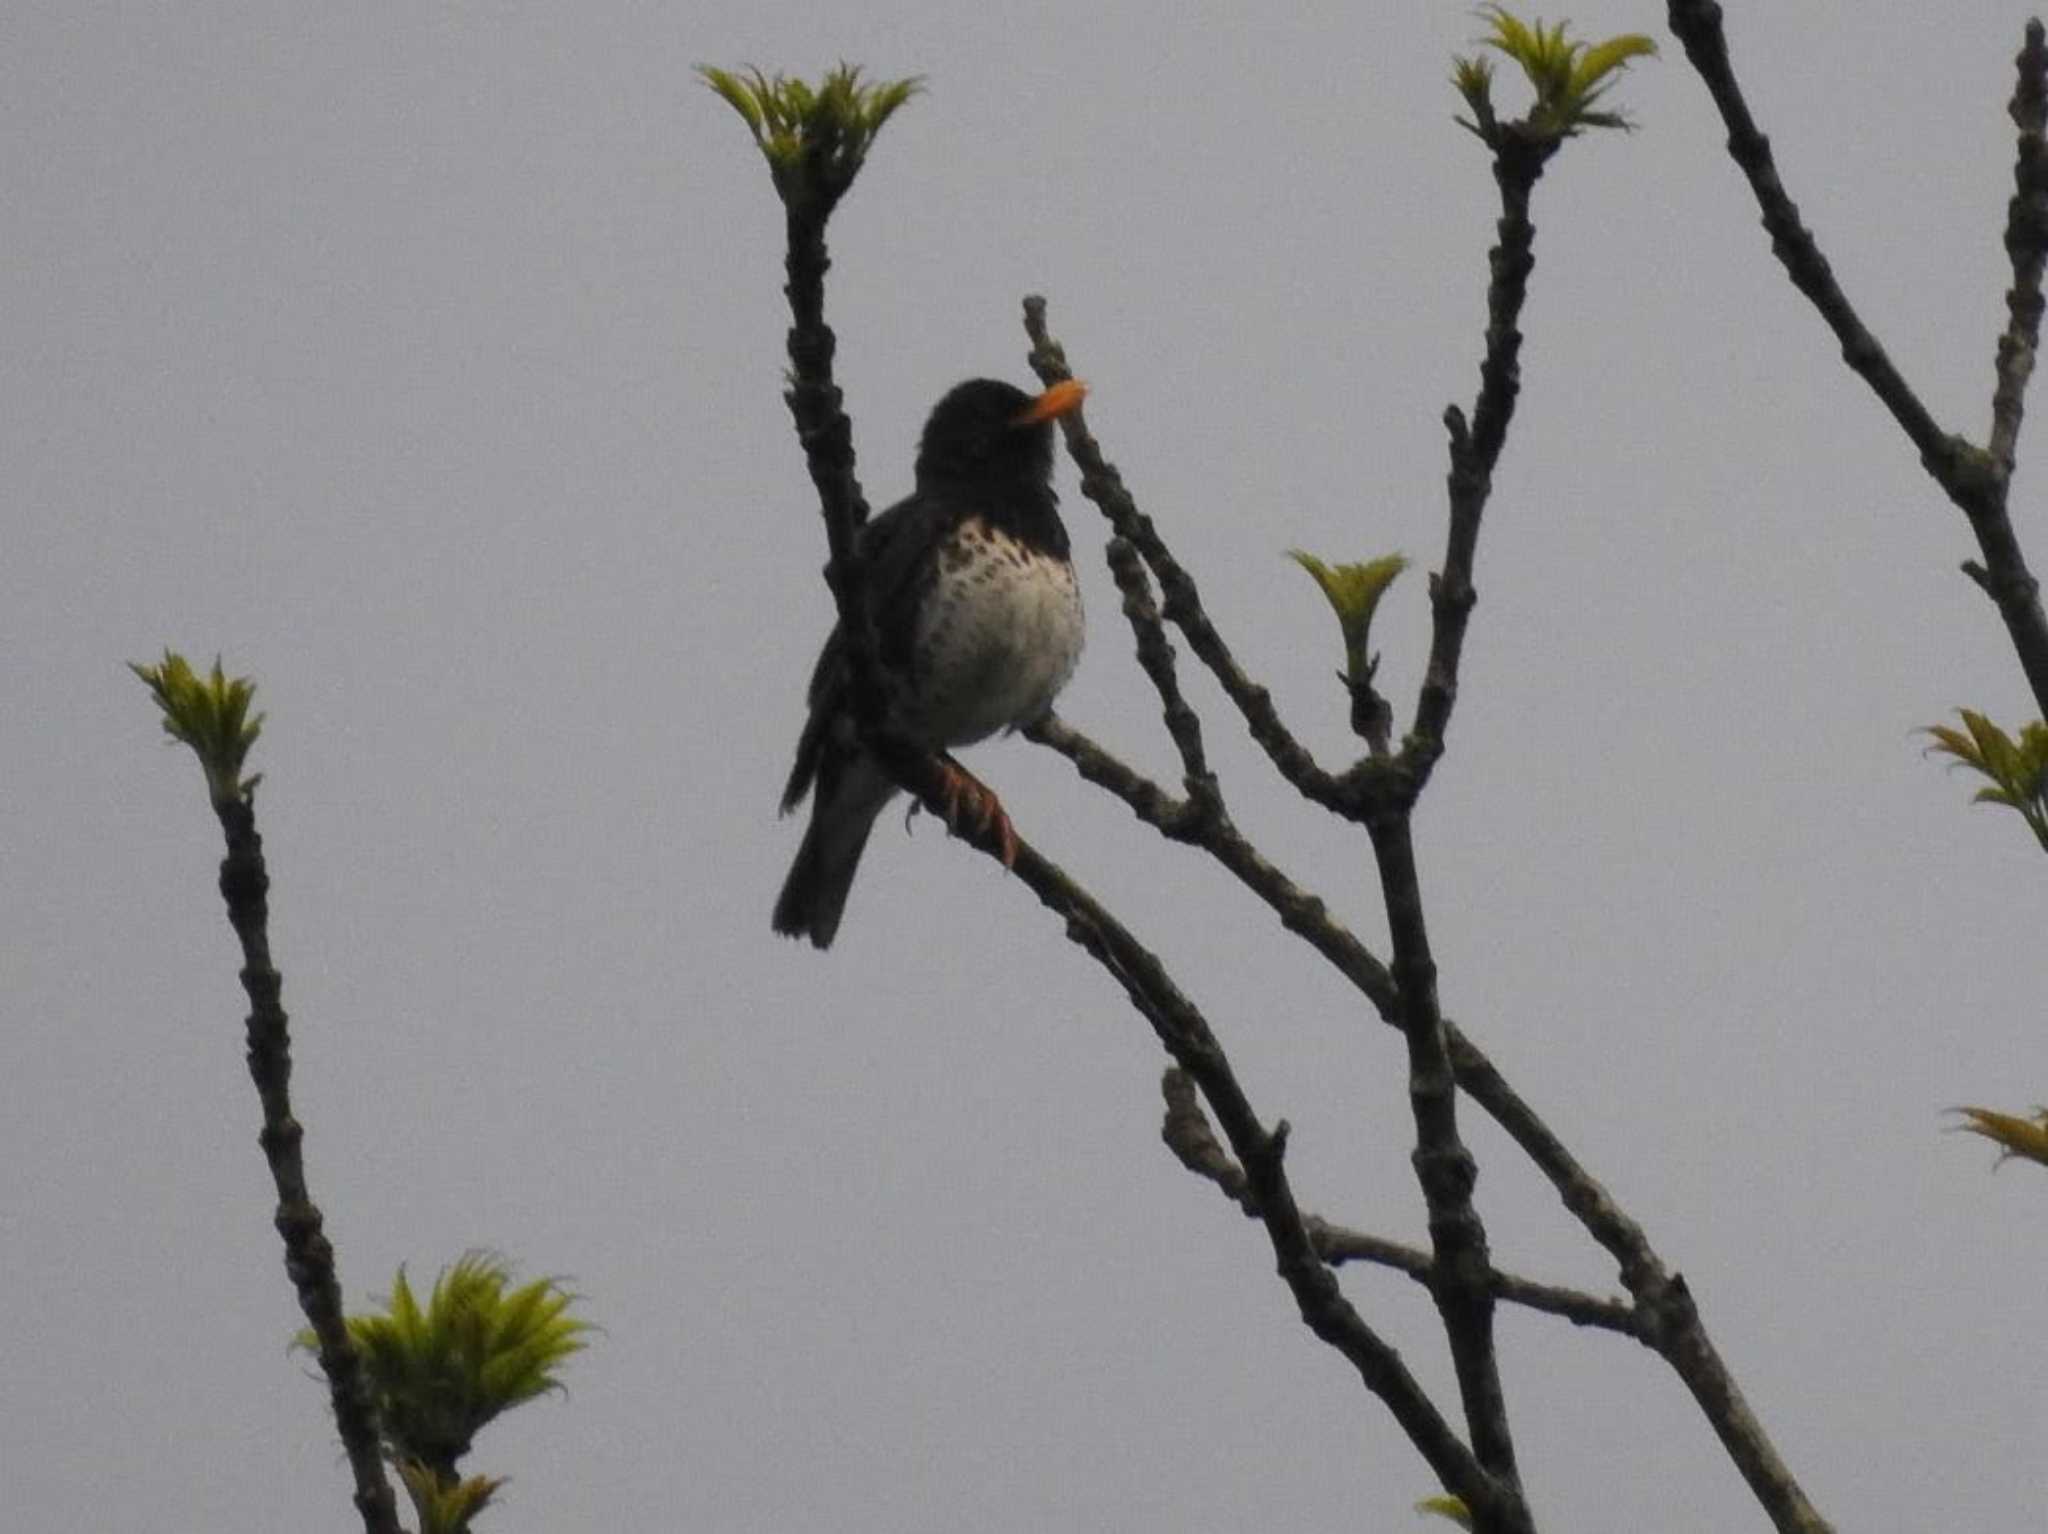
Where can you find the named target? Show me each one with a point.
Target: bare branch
(1261, 1153)
(1301, 911)
(1679, 1334)
(2026, 243)
(1475, 451)
(1187, 1134)
(1183, 608)
(1443, 1164)
(1671, 1322)
(1975, 479)
(1155, 656)
(822, 427)
(308, 1255)
(1697, 24)
(1171, 817)
(1461, 1266)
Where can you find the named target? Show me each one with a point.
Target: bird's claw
(971, 804)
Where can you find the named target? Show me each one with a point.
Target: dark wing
(901, 547)
(828, 699)
(897, 546)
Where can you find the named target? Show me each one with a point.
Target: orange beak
(1055, 402)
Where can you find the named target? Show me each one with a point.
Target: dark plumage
(977, 620)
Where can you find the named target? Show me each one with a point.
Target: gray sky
(427, 367)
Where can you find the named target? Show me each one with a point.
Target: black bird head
(988, 432)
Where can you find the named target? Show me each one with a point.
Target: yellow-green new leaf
(1449, 1507)
(815, 138)
(1354, 593)
(1473, 78)
(1568, 76)
(446, 1508)
(478, 1347)
(737, 96)
(1600, 60)
(2017, 768)
(2016, 1137)
(211, 715)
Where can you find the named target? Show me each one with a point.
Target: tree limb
(1187, 1134)
(1261, 1153)
(1103, 485)
(1155, 657)
(1697, 25)
(1443, 1164)
(1671, 1319)
(308, 1255)
(1475, 450)
(1301, 911)
(1673, 1327)
(2026, 244)
(1975, 479)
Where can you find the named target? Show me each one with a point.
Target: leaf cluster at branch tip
(441, 1371)
(2018, 769)
(1569, 77)
(814, 137)
(1354, 592)
(2016, 1137)
(211, 715)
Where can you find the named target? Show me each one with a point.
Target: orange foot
(972, 804)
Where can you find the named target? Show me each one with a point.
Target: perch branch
(1182, 606)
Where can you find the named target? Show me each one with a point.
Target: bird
(968, 583)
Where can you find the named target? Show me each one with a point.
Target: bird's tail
(814, 895)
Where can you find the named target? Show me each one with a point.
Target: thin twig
(2004, 576)
(818, 409)
(1475, 450)
(308, 1255)
(1671, 1320)
(1975, 479)
(1173, 818)
(1583, 1196)
(1155, 657)
(1182, 604)
(1697, 24)
(2026, 244)
(1261, 1153)
(1301, 911)
(1443, 1164)
(1461, 1266)
(1187, 1134)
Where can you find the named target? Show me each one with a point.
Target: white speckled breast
(998, 636)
